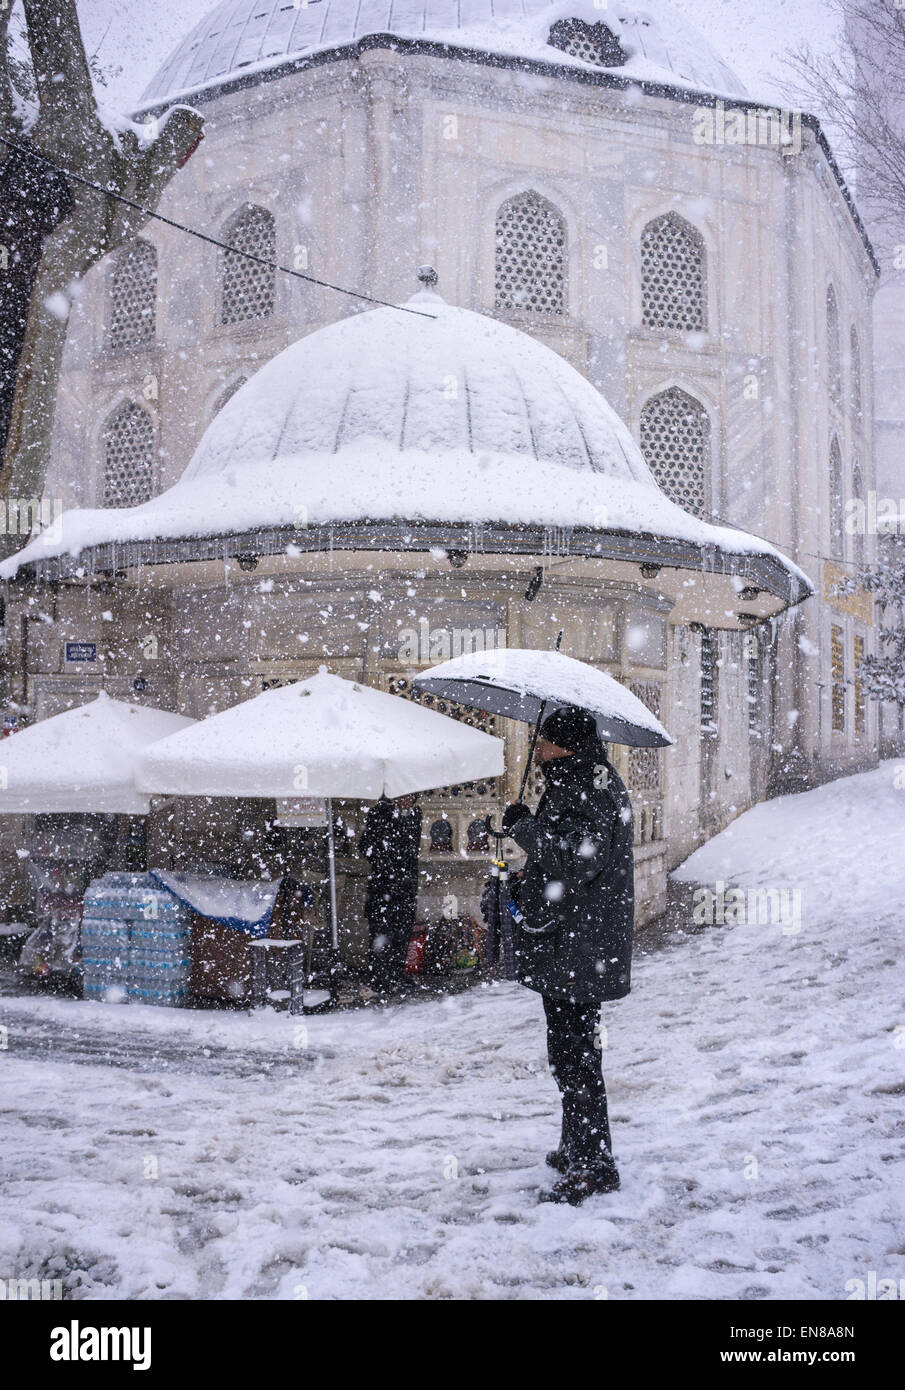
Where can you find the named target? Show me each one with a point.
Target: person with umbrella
(390, 843)
(574, 940)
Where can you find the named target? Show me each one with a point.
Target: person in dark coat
(574, 943)
(390, 843)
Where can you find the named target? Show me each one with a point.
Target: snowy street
(755, 1074)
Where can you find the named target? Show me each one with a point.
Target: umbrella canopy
(323, 737)
(83, 759)
(518, 683)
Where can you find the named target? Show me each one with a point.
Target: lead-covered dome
(243, 37)
(425, 378)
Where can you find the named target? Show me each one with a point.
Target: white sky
(751, 35)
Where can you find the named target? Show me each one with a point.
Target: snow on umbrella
(321, 737)
(83, 759)
(521, 683)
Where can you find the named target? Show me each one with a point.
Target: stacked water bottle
(136, 939)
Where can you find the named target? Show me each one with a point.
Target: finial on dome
(428, 277)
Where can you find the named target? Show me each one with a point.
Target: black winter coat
(390, 843)
(578, 884)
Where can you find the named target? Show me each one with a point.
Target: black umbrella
(526, 684)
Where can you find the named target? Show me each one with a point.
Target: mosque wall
(372, 167)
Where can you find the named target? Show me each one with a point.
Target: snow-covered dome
(437, 380)
(405, 426)
(239, 37)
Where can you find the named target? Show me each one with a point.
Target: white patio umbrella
(83, 759)
(323, 737)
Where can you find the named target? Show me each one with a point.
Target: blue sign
(81, 651)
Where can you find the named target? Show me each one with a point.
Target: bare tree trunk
(60, 227)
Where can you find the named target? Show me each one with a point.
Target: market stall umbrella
(323, 737)
(524, 683)
(83, 759)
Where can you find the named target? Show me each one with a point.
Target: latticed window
(837, 501)
(860, 701)
(477, 836)
(128, 456)
(675, 441)
(593, 43)
(673, 276)
(441, 837)
(133, 296)
(644, 764)
(837, 664)
(248, 288)
(833, 346)
(467, 714)
(855, 374)
(709, 667)
(530, 256)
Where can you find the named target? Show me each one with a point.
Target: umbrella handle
(530, 758)
(499, 837)
(534, 736)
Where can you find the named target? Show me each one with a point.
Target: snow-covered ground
(756, 1076)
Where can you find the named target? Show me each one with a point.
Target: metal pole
(331, 856)
(537, 724)
(528, 761)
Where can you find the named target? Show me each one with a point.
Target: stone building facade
(717, 293)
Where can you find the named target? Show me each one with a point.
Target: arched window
(227, 394)
(441, 837)
(855, 374)
(675, 441)
(833, 346)
(593, 43)
(128, 456)
(477, 836)
(837, 500)
(673, 276)
(247, 288)
(133, 296)
(530, 256)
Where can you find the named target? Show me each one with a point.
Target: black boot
(577, 1184)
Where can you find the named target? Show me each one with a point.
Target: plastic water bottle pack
(136, 941)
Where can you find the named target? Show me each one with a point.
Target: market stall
(72, 777)
(308, 744)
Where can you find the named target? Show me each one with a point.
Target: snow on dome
(241, 37)
(439, 381)
(438, 416)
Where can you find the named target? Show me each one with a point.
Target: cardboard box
(221, 961)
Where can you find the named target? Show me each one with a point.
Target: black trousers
(391, 917)
(576, 1065)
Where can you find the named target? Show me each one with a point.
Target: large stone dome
(240, 38)
(436, 380)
